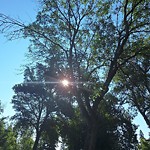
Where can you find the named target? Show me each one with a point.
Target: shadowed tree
(133, 81)
(33, 103)
(115, 131)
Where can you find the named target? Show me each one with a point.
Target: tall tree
(90, 40)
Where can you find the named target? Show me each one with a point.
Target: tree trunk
(91, 139)
(35, 146)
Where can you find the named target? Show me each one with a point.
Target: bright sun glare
(65, 82)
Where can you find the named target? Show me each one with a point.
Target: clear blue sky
(12, 54)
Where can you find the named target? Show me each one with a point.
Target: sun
(65, 82)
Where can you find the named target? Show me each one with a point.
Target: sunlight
(65, 82)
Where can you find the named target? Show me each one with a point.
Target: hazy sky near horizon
(12, 54)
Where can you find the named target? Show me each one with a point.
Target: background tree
(33, 103)
(26, 140)
(8, 138)
(1, 108)
(144, 143)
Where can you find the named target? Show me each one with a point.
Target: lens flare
(65, 82)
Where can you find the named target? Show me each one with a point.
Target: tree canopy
(102, 49)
